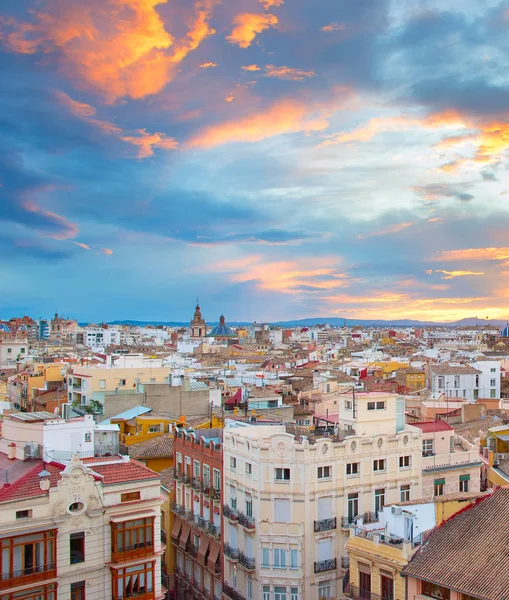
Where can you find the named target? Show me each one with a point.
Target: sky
(278, 159)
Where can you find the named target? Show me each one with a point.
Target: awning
(202, 550)
(464, 477)
(213, 554)
(502, 436)
(439, 482)
(176, 528)
(184, 536)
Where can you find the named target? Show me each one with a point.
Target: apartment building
(84, 524)
(12, 351)
(197, 514)
(449, 463)
(455, 381)
(289, 500)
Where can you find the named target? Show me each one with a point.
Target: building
(221, 331)
(494, 454)
(489, 378)
(89, 526)
(61, 328)
(378, 552)
(198, 325)
(156, 453)
(465, 558)
(289, 500)
(450, 464)
(40, 377)
(197, 525)
(411, 379)
(12, 351)
(454, 380)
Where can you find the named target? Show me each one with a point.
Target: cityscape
(212, 461)
(254, 300)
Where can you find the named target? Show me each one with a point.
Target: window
(456, 381)
(428, 448)
(438, 487)
(129, 537)
(28, 554)
(353, 468)
(249, 589)
(404, 493)
(77, 548)
(217, 480)
(102, 384)
(9, 350)
(265, 557)
(387, 585)
(196, 466)
(45, 592)
(279, 558)
(282, 510)
(379, 465)
(493, 393)
(404, 462)
(324, 472)
(435, 591)
(379, 500)
(78, 590)
(324, 590)
(353, 506)
(233, 463)
(265, 592)
(154, 428)
(294, 593)
(76, 507)
(206, 476)
(23, 514)
(282, 474)
(249, 505)
(122, 382)
(440, 382)
(206, 581)
(464, 483)
(371, 405)
(133, 581)
(294, 558)
(233, 497)
(493, 382)
(249, 468)
(348, 405)
(279, 592)
(380, 405)
(130, 496)
(493, 370)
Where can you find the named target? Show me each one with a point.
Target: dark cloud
(433, 192)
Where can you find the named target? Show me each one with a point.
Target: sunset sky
(277, 158)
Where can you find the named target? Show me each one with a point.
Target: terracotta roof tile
(433, 427)
(159, 447)
(446, 369)
(124, 472)
(27, 486)
(468, 553)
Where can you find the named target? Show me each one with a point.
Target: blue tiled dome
(221, 330)
(505, 331)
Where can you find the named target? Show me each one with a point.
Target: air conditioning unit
(500, 456)
(303, 438)
(396, 510)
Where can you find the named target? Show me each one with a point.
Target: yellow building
(494, 454)
(411, 378)
(156, 454)
(386, 368)
(3, 391)
(23, 386)
(168, 496)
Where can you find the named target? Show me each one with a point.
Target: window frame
(283, 471)
(126, 529)
(125, 573)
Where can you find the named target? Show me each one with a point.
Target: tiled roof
(159, 447)
(433, 427)
(124, 472)
(445, 369)
(468, 553)
(168, 478)
(28, 484)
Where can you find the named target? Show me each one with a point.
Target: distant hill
(333, 321)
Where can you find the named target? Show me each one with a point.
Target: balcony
(345, 562)
(357, 593)
(178, 509)
(189, 516)
(214, 530)
(231, 553)
(164, 538)
(186, 480)
(247, 522)
(27, 576)
(177, 476)
(325, 524)
(192, 550)
(215, 494)
(132, 552)
(346, 522)
(249, 564)
(195, 483)
(325, 565)
(202, 523)
(231, 592)
(230, 513)
(205, 489)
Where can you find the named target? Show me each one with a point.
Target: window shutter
(325, 549)
(282, 510)
(325, 507)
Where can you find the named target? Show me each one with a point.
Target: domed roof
(505, 331)
(221, 330)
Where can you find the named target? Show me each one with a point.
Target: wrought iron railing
(215, 494)
(213, 529)
(231, 592)
(202, 523)
(178, 509)
(357, 593)
(247, 562)
(192, 550)
(205, 488)
(231, 553)
(230, 513)
(186, 480)
(325, 565)
(325, 524)
(246, 521)
(163, 536)
(195, 483)
(345, 562)
(347, 521)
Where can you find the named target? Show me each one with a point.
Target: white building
(12, 351)
(489, 378)
(454, 380)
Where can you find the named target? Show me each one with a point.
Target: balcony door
(364, 581)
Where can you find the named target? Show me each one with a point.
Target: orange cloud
(147, 141)
(435, 220)
(251, 68)
(208, 65)
(388, 230)
(118, 47)
(268, 3)
(66, 231)
(84, 246)
(247, 25)
(285, 116)
(229, 98)
(453, 274)
(106, 251)
(475, 254)
(287, 73)
(334, 27)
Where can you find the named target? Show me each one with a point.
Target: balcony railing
(189, 516)
(186, 480)
(213, 529)
(230, 513)
(345, 562)
(27, 576)
(205, 488)
(231, 553)
(177, 476)
(163, 537)
(132, 552)
(178, 509)
(202, 523)
(195, 483)
(215, 494)
(246, 521)
(192, 550)
(248, 563)
(325, 524)
(357, 593)
(231, 592)
(347, 521)
(325, 565)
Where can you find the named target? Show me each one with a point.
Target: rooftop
(433, 427)
(123, 472)
(158, 447)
